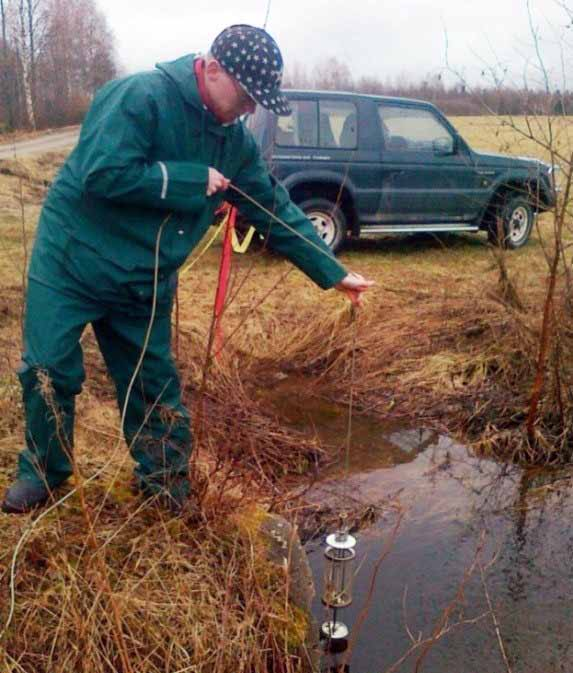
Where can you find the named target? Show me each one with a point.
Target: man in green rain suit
(157, 143)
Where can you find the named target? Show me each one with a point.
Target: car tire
(517, 219)
(328, 220)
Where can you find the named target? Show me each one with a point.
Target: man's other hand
(217, 182)
(354, 285)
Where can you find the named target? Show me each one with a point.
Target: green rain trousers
(69, 287)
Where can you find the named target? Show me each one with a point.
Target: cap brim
(275, 101)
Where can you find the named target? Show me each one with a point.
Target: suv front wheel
(517, 220)
(328, 220)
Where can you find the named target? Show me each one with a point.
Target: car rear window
(329, 124)
(300, 128)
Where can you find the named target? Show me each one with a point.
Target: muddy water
(451, 501)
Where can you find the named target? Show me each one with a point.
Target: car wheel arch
(501, 193)
(333, 191)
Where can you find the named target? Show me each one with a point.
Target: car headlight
(553, 168)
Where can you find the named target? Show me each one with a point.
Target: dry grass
(192, 596)
(513, 135)
(438, 343)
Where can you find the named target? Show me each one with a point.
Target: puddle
(451, 501)
(329, 422)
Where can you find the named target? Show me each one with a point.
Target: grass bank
(445, 340)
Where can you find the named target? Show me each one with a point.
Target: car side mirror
(444, 146)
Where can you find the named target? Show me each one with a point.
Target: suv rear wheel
(328, 219)
(517, 222)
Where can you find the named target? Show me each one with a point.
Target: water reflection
(450, 500)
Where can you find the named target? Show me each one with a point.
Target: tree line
(456, 98)
(53, 55)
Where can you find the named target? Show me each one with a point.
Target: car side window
(338, 125)
(300, 128)
(408, 129)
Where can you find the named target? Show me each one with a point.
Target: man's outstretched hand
(354, 285)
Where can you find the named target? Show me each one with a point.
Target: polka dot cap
(253, 58)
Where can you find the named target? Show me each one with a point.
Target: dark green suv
(360, 164)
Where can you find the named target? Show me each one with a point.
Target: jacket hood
(180, 72)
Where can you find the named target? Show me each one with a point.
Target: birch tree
(32, 20)
(7, 97)
(54, 54)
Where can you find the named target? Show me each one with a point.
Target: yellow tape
(242, 247)
(194, 261)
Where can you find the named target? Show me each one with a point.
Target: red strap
(224, 274)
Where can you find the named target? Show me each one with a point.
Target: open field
(441, 342)
(539, 137)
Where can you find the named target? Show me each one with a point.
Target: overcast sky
(383, 38)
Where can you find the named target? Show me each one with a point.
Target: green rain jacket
(144, 151)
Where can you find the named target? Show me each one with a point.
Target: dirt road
(44, 143)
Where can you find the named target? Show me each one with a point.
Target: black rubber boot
(23, 496)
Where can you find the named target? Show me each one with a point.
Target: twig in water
(494, 620)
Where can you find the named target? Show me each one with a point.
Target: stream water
(455, 507)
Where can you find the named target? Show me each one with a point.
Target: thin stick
(495, 622)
